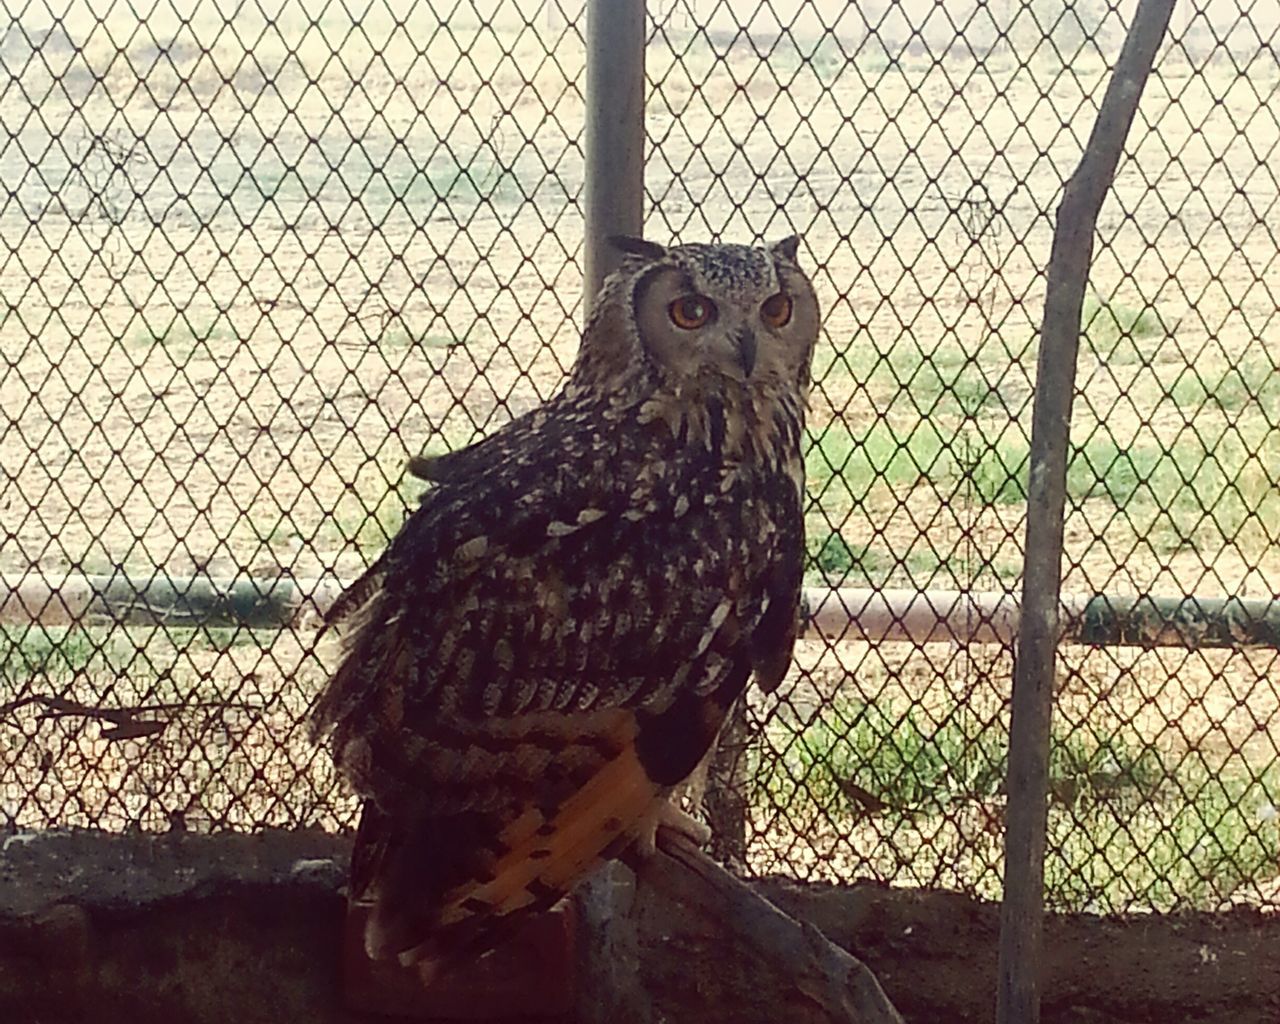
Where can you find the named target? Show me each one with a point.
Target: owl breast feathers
(554, 638)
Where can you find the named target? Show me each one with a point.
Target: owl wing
(546, 648)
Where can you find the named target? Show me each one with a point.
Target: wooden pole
(725, 806)
(1022, 911)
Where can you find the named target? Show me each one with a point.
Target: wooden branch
(610, 986)
(787, 963)
(118, 723)
(1067, 276)
(724, 802)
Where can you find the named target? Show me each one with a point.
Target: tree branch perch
(756, 947)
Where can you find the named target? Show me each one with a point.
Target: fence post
(1022, 909)
(724, 802)
(614, 172)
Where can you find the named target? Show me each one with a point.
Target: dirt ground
(227, 316)
(236, 387)
(936, 954)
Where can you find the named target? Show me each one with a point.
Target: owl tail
(445, 888)
(412, 871)
(403, 870)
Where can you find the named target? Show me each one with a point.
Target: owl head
(713, 314)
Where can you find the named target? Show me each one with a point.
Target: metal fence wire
(250, 262)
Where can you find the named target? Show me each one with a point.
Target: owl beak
(747, 350)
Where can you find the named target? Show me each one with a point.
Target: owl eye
(691, 311)
(776, 310)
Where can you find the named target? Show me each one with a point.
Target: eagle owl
(551, 643)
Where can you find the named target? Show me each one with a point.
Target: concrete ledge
(98, 928)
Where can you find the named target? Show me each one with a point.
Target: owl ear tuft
(787, 248)
(635, 246)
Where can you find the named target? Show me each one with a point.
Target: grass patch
(1202, 835)
(964, 565)
(180, 336)
(973, 393)
(225, 638)
(128, 657)
(481, 177)
(1198, 492)
(382, 522)
(839, 462)
(954, 387)
(30, 651)
(836, 560)
(1128, 826)
(1253, 384)
(368, 523)
(1113, 330)
(913, 765)
(1102, 468)
(275, 184)
(401, 338)
(945, 381)
(992, 474)
(825, 61)
(1192, 494)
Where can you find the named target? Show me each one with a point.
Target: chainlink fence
(250, 262)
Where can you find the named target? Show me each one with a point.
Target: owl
(552, 641)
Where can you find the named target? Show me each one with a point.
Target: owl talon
(668, 815)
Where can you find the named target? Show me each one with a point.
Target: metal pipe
(614, 172)
(835, 615)
(1040, 632)
(162, 600)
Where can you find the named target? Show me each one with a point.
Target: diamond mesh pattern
(248, 264)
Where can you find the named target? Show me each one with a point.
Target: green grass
(989, 474)
(1251, 384)
(278, 184)
(1100, 467)
(1203, 833)
(480, 176)
(399, 337)
(224, 638)
(181, 336)
(376, 526)
(1118, 332)
(110, 667)
(925, 564)
(944, 381)
(1128, 825)
(826, 61)
(1214, 485)
(914, 765)
(367, 523)
(61, 652)
(29, 651)
(842, 463)
(965, 564)
(833, 561)
(836, 560)
(953, 385)
(1192, 494)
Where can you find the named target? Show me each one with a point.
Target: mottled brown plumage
(552, 641)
